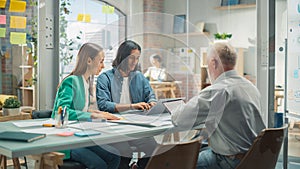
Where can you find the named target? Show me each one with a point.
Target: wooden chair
(265, 149)
(175, 155)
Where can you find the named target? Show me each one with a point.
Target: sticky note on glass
(2, 32)
(108, 9)
(2, 3)
(3, 19)
(84, 17)
(17, 6)
(17, 38)
(80, 17)
(87, 18)
(18, 22)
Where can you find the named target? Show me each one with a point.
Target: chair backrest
(263, 153)
(37, 114)
(175, 155)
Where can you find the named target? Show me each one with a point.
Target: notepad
(20, 136)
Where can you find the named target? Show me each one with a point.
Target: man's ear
(215, 63)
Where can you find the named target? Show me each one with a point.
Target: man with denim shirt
(230, 109)
(125, 88)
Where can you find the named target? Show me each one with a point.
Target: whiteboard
(293, 57)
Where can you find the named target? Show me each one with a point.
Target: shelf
(192, 34)
(26, 88)
(240, 6)
(25, 66)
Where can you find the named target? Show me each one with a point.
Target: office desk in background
(278, 98)
(167, 89)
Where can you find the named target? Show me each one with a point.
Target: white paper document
(91, 125)
(49, 130)
(32, 123)
(144, 120)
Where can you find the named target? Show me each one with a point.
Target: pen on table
(48, 125)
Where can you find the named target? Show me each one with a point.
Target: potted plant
(222, 36)
(11, 106)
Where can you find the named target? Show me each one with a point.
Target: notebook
(20, 136)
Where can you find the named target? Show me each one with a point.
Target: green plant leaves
(11, 102)
(222, 36)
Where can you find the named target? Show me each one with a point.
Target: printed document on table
(144, 120)
(32, 123)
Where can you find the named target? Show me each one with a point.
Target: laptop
(172, 106)
(161, 107)
(152, 117)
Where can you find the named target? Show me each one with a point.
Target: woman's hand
(140, 106)
(152, 104)
(96, 114)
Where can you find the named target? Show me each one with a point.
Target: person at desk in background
(73, 93)
(230, 109)
(156, 72)
(125, 88)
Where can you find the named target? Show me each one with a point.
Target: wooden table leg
(3, 162)
(16, 163)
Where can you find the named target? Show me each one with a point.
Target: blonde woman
(73, 93)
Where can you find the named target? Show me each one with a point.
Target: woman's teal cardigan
(71, 94)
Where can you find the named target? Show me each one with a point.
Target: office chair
(67, 164)
(264, 151)
(178, 155)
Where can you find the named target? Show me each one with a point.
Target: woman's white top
(125, 96)
(155, 73)
(86, 91)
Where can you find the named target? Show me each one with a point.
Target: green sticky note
(17, 38)
(2, 32)
(105, 9)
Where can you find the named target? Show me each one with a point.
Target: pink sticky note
(3, 19)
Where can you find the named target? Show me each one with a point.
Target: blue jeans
(209, 160)
(96, 157)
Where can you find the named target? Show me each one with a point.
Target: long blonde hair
(87, 50)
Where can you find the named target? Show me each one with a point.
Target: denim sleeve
(103, 94)
(149, 94)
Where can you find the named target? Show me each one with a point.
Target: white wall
(281, 34)
(240, 22)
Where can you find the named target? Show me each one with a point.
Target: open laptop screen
(173, 105)
(160, 107)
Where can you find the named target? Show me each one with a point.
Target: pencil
(48, 125)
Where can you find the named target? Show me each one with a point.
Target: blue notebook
(20, 136)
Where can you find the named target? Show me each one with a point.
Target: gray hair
(225, 52)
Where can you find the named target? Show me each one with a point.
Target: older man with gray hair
(229, 108)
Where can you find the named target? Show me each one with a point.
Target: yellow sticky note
(17, 38)
(80, 17)
(87, 18)
(111, 9)
(108, 9)
(2, 3)
(17, 6)
(2, 32)
(105, 9)
(18, 22)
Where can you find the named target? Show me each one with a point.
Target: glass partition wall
(178, 31)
